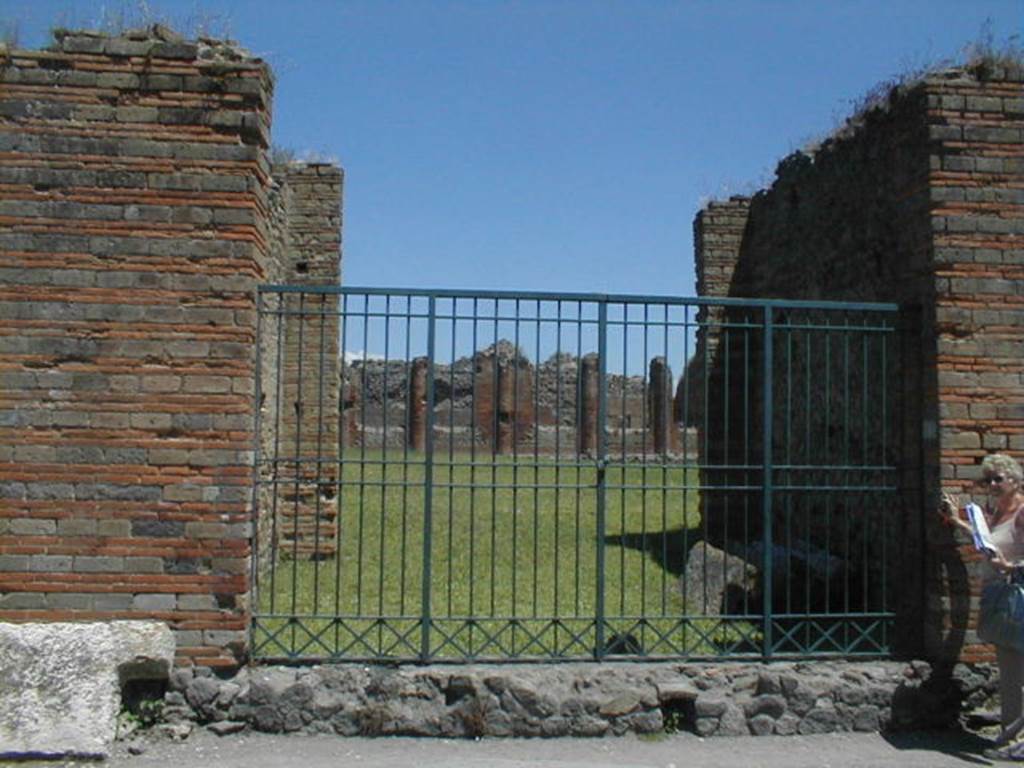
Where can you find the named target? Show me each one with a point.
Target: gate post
(767, 416)
(602, 415)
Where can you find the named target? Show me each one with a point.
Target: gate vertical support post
(254, 544)
(428, 482)
(766, 486)
(602, 460)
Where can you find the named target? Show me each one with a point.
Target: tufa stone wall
(137, 216)
(918, 201)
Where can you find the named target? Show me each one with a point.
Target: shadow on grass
(668, 548)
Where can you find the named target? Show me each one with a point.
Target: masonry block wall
(917, 202)
(976, 175)
(303, 408)
(133, 193)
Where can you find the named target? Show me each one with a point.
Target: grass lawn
(509, 540)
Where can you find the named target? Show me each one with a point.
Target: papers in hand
(979, 528)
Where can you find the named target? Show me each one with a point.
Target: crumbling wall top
(155, 41)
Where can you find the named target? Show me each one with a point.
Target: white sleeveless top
(1010, 545)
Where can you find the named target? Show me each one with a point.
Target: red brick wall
(977, 216)
(919, 201)
(132, 192)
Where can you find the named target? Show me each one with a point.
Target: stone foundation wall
(582, 699)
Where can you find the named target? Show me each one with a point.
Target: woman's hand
(1001, 564)
(949, 509)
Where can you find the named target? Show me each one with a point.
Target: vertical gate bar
(766, 469)
(558, 455)
(472, 473)
(407, 374)
(515, 475)
(338, 558)
(428, 480)
(667, 474)
(746, 465)
(299, 406)
(580, 449)
(865, 349)
(845, 475)
(828, 460)
(789, 462)
(622, 456)
(884, 603)
(727, 457)
(319, 453)
(536, 456)
(362, 455)
(809, 479)
(602, 414)
(451, 455)
(687, 463)
(704, 457)
(381, 548)
(672, 427)
(275, 467)
(644, 415)
(256, 459)
(495, 426)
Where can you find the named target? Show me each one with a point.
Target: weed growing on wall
(988, 55)
(119, 18)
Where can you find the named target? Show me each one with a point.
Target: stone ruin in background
(498, 400)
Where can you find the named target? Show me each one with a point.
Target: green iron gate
(455, 475)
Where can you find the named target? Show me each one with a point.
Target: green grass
(508, 540)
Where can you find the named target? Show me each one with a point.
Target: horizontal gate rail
(451, 475)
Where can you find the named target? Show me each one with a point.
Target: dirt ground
(846, 750)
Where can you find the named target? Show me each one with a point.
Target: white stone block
(60, 683)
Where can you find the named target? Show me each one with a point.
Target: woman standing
(1002, 479)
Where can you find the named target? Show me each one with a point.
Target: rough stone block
(61, 683)
(154, 602)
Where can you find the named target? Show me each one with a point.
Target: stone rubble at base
(581, 699)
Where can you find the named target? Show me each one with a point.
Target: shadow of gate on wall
(455, 475)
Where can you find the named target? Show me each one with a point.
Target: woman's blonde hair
(1000, 463)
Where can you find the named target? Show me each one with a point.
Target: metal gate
(456, 475)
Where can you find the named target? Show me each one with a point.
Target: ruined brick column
(311, 370)
(590, 375)
(515, 403)
(659, 409)
(134, 186)
(417, 436)
(504, 396)
(351, 429)
(717, 240)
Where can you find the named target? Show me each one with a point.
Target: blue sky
(561, 144)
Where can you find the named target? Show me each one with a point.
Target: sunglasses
(989, 479)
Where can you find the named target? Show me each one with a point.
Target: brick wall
(304, 411)
(132, 196)
(917, 201)
(976, 176)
